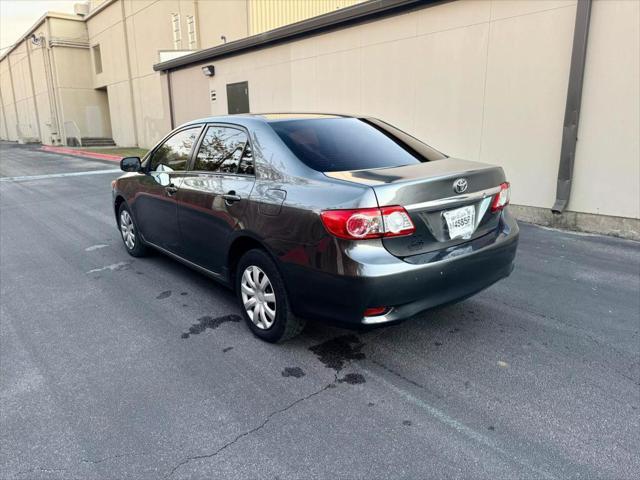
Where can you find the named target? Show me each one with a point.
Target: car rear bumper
(375, 278)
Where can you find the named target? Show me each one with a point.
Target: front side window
(223, 150)
(173, 154)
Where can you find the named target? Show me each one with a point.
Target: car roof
(248, 118)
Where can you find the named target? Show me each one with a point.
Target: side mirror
(130, 164)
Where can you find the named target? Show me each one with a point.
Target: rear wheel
(129, 232)
(263, 298)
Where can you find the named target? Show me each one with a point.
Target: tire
(275, 322)
(129, 233)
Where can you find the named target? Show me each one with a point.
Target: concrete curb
(81, 153)
(600, 224)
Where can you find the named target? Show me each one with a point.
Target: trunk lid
(426, 190)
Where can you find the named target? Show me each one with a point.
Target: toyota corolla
(325, 217)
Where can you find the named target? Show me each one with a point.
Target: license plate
(461, 222)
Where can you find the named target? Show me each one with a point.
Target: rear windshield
(339, 144)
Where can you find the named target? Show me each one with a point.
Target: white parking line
(112, 267)
(57, 175)
(95, 247)
(461, 428)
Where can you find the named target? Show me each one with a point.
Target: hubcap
(258, 297)
(126, 228)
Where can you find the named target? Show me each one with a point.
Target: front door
(155, 205)
(213, 195)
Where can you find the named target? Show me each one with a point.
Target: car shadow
(452, 326)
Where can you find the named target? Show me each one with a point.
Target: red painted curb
(81, 153)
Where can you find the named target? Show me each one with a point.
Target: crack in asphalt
(330, 361)
(41, 469)
(253, 430)
(113, 457)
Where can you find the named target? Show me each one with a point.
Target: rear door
(155, 203)
(214, 194)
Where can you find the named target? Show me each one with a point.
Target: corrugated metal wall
(269, 14)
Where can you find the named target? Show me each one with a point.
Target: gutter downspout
(4, 117)
(129, 75)
(15, 105)
(57, 95)
(572, 109)
(171, 116)
(54, 124)
(33, 90)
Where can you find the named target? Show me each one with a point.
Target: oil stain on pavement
(352, 379)
(295, 372)
(209, 322)
(336, 352)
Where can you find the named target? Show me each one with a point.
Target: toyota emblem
(460, 185)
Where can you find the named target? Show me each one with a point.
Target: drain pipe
(172, 120)
(572, 109)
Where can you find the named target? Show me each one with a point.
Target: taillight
(501, 199)
(364, 223)
(375, 311)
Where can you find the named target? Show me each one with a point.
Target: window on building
(97, 59)
(173, 154)
(177, 34)
(191, 32)
(224, 150)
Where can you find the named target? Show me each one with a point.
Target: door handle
(171, 189)
(231, 197)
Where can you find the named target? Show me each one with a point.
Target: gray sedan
(327, 217)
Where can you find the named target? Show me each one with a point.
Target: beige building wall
(41, 89)
(82, 106)
(266, 15)
(222, 17)
(125, 98)
(482, 80)
(130, 34)
(106, 31)
(8, 103)
(23, 95)
(607, 168)
(197, 103)
(4, 133)
(46, 86)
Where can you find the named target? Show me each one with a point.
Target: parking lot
(114, 367)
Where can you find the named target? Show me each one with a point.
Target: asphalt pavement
(114, 367)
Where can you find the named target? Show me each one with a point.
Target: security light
(209, 70)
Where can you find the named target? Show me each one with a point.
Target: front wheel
(263, 299)
(129, 232)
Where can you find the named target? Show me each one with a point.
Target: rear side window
(224, 150)
(339, 144)
(174, 153)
